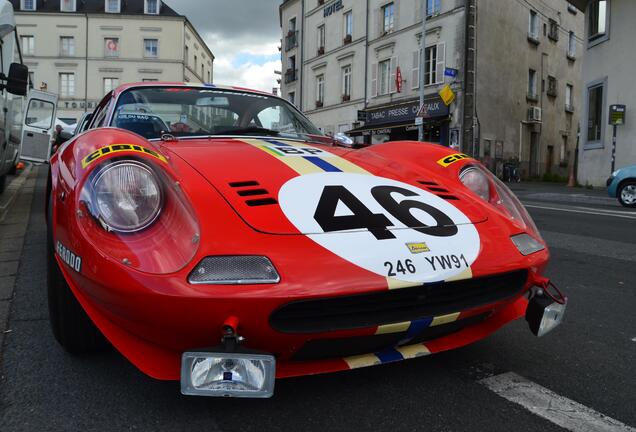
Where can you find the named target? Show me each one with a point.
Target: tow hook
(231, 340)
(546, 306)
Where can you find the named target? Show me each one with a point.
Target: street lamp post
(420, 134)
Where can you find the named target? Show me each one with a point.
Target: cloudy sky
(243, 35)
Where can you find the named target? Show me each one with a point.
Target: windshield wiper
(255, 130)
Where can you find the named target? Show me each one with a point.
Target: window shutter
(440, 63)
(374, 80)
(393, 75)
(415, 70)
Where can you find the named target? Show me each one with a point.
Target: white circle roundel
(385, 226)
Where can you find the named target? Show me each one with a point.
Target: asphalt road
(590, 359)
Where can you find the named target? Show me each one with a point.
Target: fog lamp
(544, 314)
(234, 270)
(526, 244)
(227, 374)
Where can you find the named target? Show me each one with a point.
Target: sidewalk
(15, 208)
(557, 192)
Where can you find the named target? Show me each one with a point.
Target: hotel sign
(333, 8)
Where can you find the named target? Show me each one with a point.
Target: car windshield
(190, 111)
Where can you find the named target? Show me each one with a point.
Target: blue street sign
(450, 72)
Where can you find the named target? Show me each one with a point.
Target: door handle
(30, 134)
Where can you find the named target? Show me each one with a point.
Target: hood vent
(439, 191)
(250, 189)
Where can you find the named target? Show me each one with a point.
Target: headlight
(127, 197)
(489, 188)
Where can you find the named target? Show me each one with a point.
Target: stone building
(354, 67)
(83, 49)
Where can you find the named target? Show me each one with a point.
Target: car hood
(285, 187)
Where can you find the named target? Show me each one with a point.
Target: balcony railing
(291, 40)
(291, 75)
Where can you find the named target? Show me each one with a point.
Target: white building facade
(356, 69)
(83, 49)
(608, 79)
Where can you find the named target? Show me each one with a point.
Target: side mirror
(343, 140)
(18, 79)
(66, 135)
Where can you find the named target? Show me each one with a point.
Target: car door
(39, 121)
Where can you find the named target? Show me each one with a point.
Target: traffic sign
(617, 115)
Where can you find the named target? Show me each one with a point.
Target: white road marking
(613, 213)
(557, 409)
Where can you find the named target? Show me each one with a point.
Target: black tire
(3, 183)
(623, 188)
(14, 168)
(71, 326)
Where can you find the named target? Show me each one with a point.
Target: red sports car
(215, 236)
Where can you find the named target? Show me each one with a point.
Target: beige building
(353, 67)
(83, 49)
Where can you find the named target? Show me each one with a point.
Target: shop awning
(376, 129)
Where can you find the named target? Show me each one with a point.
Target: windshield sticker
(116, 148)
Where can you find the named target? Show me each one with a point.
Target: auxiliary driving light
(544, 314)
(234, 270)
(227, 374)
(526, 244)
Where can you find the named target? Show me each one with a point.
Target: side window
(100, 114)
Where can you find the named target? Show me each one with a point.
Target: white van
(21, 136)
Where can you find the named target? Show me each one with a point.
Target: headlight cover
(127, 197)
(474, 177)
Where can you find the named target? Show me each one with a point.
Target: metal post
(614, 150)
(420, 134)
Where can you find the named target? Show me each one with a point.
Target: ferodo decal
(451, 159)
(70, 258)
(116, 148)
(368, 220)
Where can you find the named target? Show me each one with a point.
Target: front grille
(320, 349)
(386, 307)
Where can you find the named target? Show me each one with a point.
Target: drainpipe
(366, 56)
(86, 68)
(302, 55)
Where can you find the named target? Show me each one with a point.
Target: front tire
(3, 183)
(71, 326)
(627, 194)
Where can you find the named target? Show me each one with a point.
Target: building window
(433, 7)
(321, 39)
(595, 113)
(67, 84)
(532, 84)
(187, 55)
(568, 98)
(202, 72)
(533, 26)
(28, 45)
(388, 18)
(67, 6)
(553, 34)
(151, 48)
(346, 83)
(291, 97)
(113, 6)
(31, 79)
(29, 5)
(151, 7)
(320, 91)
(111, 47)
(196, 63)
(597, 16)
(110, 84)
(348, 25)
(552, 86)
(384, 73)
(209, 77)
(571, 46)
(149, 80)
(292, 25)
(67, 46)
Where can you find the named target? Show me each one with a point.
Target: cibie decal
(70, 258)
(451, 159)
(368, 220)
(417, 248)
(289, 151)
(116, 148)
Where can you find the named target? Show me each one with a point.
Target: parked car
(622, 185)
(215, 236)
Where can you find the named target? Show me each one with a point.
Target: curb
(15, 210)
